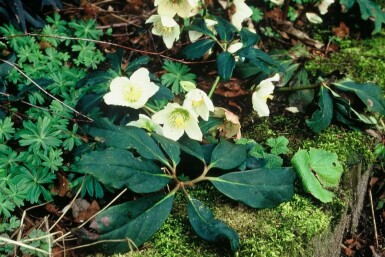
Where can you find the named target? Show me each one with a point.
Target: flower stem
(149, 109)
(213, 87)
(291, 89)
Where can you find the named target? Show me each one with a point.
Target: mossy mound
(360, 60)
(287, 230)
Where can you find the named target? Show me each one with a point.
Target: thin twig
(110, 44)
(374, 218)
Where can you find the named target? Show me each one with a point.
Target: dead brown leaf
(341, 31)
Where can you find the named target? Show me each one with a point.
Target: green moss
(283, 231)
(287, 230)
(362, 61)
(351, 147)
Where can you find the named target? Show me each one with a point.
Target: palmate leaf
(136, 221)
(34, 180)
(177, 72)
(206, 226)
(258, 188)
(318, 169)
(118, 168)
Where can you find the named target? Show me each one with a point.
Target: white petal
(153, 19)
(184, 9)
(324, 5)
(172, 132)
(313, 18)
(140, 76)
(260, 106)
(234, 47)
(193, 130)
(277, 2)
(162, 116)
(166, 10)
(118, 83)
(168, 22)
(242, 11)
(194, 35)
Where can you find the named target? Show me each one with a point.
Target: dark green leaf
(206, 226)
(259, 188)
(127, 137)
(225, 65)
(138, 229)
(371, 95)
(136, 64)
(199, 25)
(171, 148)
(322, 118)
(225, 29)
(248, 38)
(115, 60)
(372, 10)
(198, 49)
(192, 147)
(227, 155)
(206, 126)
(117, 216)
(162, 94)
(119, 168)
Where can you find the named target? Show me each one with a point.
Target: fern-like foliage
(177, 72)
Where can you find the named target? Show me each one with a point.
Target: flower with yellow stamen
(166, 27)
(199, 103)
(183, 8)
(133, 92)
(176, 121)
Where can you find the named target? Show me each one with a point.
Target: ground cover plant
(80, 121)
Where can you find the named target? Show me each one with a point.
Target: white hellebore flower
(242, 11)
(171, 7)
(199, 103)
(146, 123)
(133, 92)
(176, 120)
(260, 96)
(165, 27)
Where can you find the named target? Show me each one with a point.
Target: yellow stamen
(132, 93)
